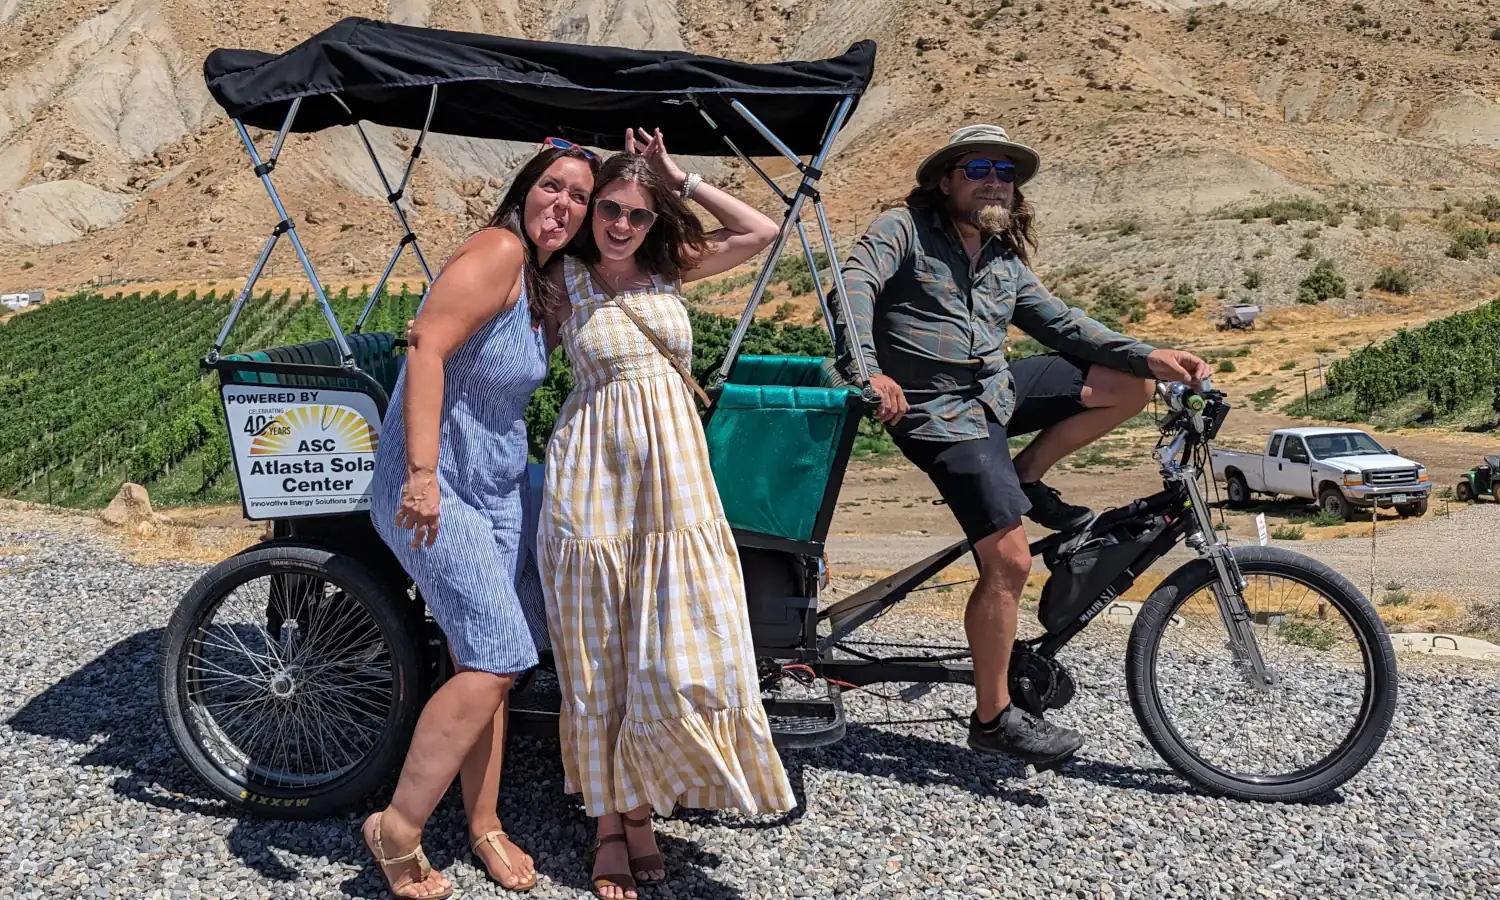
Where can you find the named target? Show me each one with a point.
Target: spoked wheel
(289, 680)
(1312, 722)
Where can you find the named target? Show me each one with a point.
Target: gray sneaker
(1020, 734)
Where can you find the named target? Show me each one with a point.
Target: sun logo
(320, 428)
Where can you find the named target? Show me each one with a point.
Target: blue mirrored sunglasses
(979, 169)
(561, 144)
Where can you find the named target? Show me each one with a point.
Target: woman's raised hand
(653, 147)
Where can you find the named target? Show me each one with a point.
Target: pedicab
(291, 674)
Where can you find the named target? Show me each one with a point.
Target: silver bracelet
(690, 183)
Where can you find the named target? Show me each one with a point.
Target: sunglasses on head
(979, 169)
(638, 218)
(561, 144)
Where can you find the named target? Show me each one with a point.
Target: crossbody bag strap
(657, 342)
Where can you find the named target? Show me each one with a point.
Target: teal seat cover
(773, 441)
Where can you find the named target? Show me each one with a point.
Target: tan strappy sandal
(650, 863)
(493, 839)
(625, 882)
(381, 860)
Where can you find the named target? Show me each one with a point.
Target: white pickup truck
(1340, 468)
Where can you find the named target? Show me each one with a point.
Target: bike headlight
(1354, 478)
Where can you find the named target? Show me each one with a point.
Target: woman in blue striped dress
(447, 497)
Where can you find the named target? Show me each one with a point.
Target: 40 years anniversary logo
(315, 429)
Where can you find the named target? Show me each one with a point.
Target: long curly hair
(1018, 236)
(676, 239)
(542, 295)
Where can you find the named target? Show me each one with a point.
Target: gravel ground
(94, 803)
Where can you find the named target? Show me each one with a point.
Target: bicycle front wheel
(1292, 729)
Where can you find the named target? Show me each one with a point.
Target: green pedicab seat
(374, 353)
(779, 440)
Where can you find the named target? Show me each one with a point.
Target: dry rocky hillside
(1158, 121)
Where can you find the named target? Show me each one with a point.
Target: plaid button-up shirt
(933, 320)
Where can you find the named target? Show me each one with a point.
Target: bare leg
(1111, 396)
(462, 709)
(480, 777)
(990, 619)
(613, 858)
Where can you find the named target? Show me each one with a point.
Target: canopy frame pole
(734, 148)
(239, 302)
(812, 266)
(262, 169)
(771, 183)
(393, 197)
(286, 226)
(806, 188)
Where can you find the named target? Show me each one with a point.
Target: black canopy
(511, 89)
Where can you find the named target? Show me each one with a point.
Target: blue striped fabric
(479, 579)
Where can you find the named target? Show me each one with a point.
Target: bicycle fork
(1229, 591)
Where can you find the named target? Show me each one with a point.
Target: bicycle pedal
(915, 691)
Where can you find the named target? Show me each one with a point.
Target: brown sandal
(650, 863)
(493, 839)
(381, 860)
(624, 882)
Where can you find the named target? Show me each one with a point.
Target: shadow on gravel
(1153, 781)
(909, 759)
(110, 705)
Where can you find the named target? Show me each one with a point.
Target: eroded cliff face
(115, 165)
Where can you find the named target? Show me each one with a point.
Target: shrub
(1395, 281)
(1288, 365)
(1323, 283)
(1287, 533)
(1193, 22)
(1184, 303)
(1114, 304)
(1307, 250)
(1472, 242)
(1291, 209)
(1326, 519)
(1252, 279)
(1226, 365)
(1487, 209)
(1394, 221)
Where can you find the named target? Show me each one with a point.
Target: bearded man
(932, 287)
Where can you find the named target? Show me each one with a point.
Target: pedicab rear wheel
(301, 703)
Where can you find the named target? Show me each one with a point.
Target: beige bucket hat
(980, 139)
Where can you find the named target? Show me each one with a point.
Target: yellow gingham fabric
(645, 598)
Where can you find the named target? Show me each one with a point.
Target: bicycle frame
(1181, 507)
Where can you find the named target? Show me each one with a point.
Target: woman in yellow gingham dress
(661, 703)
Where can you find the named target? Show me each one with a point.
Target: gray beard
(990, 219)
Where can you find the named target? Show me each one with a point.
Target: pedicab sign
(301, 451)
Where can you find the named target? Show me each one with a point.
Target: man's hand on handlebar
(1178, 365)
(893, 403)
